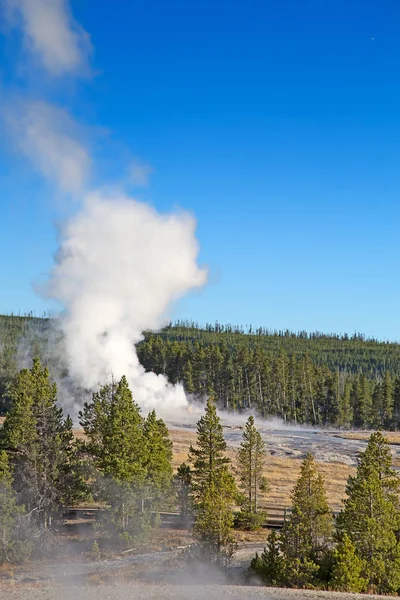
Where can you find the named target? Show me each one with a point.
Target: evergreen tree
(188, 378)
(362, 402)
(377, 416)
(214, 518)
(251, 462)
(270, 565)
(396, 404)
(331, 404)
(208, 457)
(39, 442)
(213, 488)
(14, 545)
(387, 401)
(347, 568)
(371, 516)
(115, 430)
(345, 410)
(118, 445)
(182, 481)
(158, 460)
(307, 534)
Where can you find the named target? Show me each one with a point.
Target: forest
(124, 464)
(325, 380)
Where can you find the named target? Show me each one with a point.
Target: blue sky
(276, 123)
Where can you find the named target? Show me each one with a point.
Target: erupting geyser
(120, 264)
(119, 268)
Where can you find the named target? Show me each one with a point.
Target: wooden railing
(276, 516)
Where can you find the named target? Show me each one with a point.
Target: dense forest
(316, 378)
(303, 378)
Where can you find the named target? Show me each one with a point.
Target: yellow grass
(281, 473)
(393, 437)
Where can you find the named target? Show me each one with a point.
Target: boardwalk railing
(276, 517)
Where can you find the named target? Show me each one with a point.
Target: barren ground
(137, 591)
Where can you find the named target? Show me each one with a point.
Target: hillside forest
(319, 379)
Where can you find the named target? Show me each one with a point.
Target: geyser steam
(120, 264)
(119, 268)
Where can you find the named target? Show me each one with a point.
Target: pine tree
(371, 516)
(362, 402)
(332, 399)
(251, 461)
(14, 545)
(158, 460)
(347, 568)
(270, 565)
(345, 410)
(213, 488)
(214, 518)
(208, 457)
(115, 430)
(307, 534)
(396, 404)
(387, 401)
(377, 417)
(182, 481)
(39, 442)
(118, 446)
(188, 378)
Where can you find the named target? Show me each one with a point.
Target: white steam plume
(51, 139)
(52, 35)
(120, 266)
(139, 173)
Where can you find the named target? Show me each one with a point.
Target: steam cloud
(120, 266)
(52, 141)
(51, 35)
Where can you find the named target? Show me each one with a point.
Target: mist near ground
(173, 592)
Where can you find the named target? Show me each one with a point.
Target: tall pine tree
(251, 462)
(158, 460)
(118, 446)
(14, 545)
(39, 442)
(213, 488)
(371, 516)
(307, 535)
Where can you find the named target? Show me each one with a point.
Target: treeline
(291, 387)
(325, 380)
(349, 353)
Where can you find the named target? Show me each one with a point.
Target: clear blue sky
(277, 123)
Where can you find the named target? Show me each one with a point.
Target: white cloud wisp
(52, 35)
(53, 142)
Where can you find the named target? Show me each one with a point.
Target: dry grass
(393, 437)
(281, 473)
